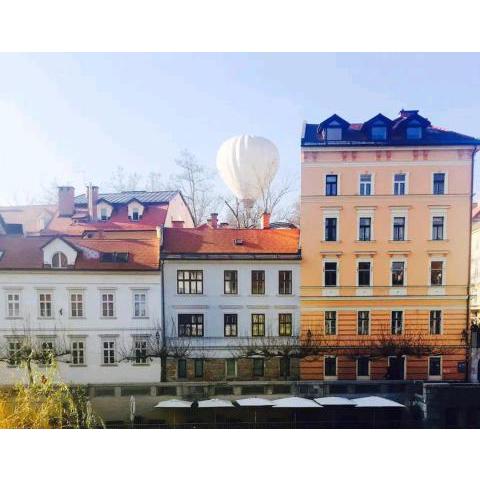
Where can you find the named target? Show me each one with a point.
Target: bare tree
(121, 181)
(154, 182)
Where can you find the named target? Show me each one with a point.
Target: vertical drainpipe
(467, 363)
(163, 359)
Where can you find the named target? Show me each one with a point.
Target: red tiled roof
(222, 241)
(28, 215)
(153, 215)
(26, 252)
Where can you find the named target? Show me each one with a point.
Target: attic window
(103, 214)
(1, 254)
(414, 131)
(333, 133)
(59, 260)
(114, 257)
(238, 241)
(135, 215)
(379, 133)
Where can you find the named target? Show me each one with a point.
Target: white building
(97, 298)
(225, 291)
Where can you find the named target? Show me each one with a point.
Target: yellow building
(475, 296)
(385, 236)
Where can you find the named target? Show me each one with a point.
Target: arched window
(59, 260)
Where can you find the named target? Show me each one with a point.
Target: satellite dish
(247, 164)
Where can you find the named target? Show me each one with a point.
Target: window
(436, 273)
(398, 274)
(330, 366)
(364, 274)
(399, 184)
(363, 367)
(140, 345)
(258, 282)
(438, 183)
(47, 347)
(285, 324)
(139, 304)
(103, 214)
(45, 302)
(284, 366)
(363, 323)
(330, 229)
(108, 305)
(435, 322)
(258, 367)
(76, 305)
(78, 352)
(397, 323)
(230, 368)
(109, 352)
(190, 282)
(398, 229)
(330, 323)
(15, 351)
(365, 184)
(230, 282)
(330, 270)
(114, 257)
(434, 366)
(396, 368)
(331, 185)
(437, 228)
(258, 325)
(59, 260)
(285, 282)
(365, 229)
(190, 325)
(334, 133)
(414, 132)
(182, 368)
(230, 324)
(379, 133)
(135, 215)
(13, 304)
(198, 367)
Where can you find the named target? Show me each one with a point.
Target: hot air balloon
(247, 164)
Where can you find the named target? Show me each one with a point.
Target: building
(231, 300)
(475, 296)
(385, 237)
(92, 302)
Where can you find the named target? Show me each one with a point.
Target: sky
(74, 118)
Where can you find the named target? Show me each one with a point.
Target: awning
(376, 402)
(295, 402)
(335, 401)
(214, 403)
(173, 403)
(254, 402)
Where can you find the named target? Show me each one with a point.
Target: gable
(58, 245)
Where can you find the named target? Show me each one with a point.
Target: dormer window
(103, 214)
(379, 133)
(59, 260)
(414, 132)
(333, 133)
(135, 215)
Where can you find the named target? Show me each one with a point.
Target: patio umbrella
(335, 401)
(295, 403)
(254, 402)
(215, 403)
(173, 404)
(376, 402)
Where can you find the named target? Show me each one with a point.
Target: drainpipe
(468, 332)
(163, 356)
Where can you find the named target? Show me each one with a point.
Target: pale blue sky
(76, 117)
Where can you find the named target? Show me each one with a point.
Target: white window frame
(445, 186)
(325, 376)
(18, 313)
(406, 183)
(140, 338)
(104, 339)
(404, 365)
(17, 340)
(52, 304)
(398, 212)
(47, 339)
(366, 212)
(325, 184)
(60, 267)
(403, 321)
(331, 213)
(325, 323)
(372, 184)
(435, 377)
(363, 260)
(140, 292)
(226, 368)
(405, 269)
(439, 212)
(363, 377)
(328, 260)
(444, 271)
(441, 322)
(368, 310)
(78, 339)
(75, 291)
(107, 292)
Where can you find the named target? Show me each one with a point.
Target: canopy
(173, 403)
(254, 402)
(295, 402)
(335, 401)
(375, 402)
(214, 403)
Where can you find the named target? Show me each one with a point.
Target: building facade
(232, 301)
(385, 222)
(475, 297)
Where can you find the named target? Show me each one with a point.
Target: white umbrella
(132, 409)
(375, 402)
(334, 401)
(214, 403)
(254, 402)
(173, 403)
(295, 402)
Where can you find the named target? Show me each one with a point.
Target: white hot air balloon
(247, 164)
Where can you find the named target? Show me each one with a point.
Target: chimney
(224, 225)
(214, 220)
(177, 223)
(265, 220)
(92, 198)
(407, 113)
(66, 201)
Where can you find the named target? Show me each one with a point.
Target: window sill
(230, 294)
(75, 365)
(330, 242)
(434, 378)
(13, 318)
(140, 364)
(439, 240)
(257, 295)
(362, 242)
(330, 379)
(77, 318)
(108, 318)
(140, 318)
(109, 365)
(363, 378)
(399, 241)
(45, 318)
